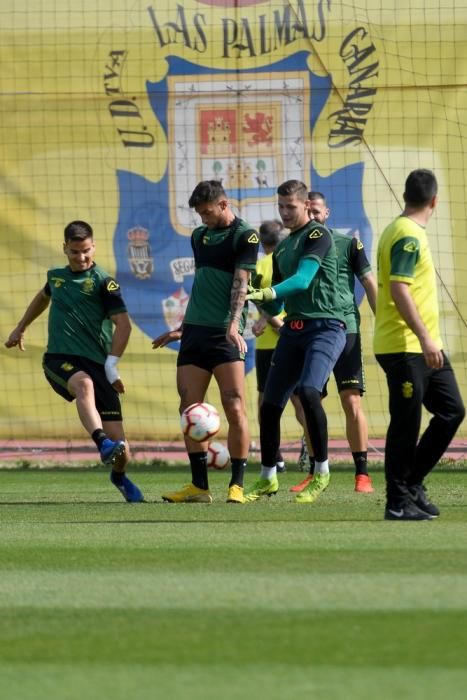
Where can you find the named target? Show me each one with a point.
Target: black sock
(312, 464)
(199, 469)
(238, 470)
(99, 436)
(361, 462)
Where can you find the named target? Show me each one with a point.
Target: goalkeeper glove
(261, 296)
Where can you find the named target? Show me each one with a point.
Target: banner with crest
(113, 111)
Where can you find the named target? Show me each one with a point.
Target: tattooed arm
(237, 302)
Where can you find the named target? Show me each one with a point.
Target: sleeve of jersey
(359, 262)
(47, 291)
(317, 243)
(301, 280)
(112, 297)
(404, 256)
(247, 250)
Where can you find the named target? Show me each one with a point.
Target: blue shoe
(127, 488)
(113, 452)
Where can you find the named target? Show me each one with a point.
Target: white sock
(322, 467)
(268, 472)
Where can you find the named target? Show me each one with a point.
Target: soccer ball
(218, 455)
(200, 421)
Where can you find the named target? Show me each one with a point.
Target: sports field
(101, 599)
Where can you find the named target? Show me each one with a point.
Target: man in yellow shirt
(408, 346)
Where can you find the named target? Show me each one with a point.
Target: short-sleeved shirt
(79, 317)
(404, 256)
(218, 253)
(352, 262)
(321, 299)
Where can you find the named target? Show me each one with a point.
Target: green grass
(101, 599)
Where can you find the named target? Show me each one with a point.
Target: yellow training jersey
(268, 339)
(404, 256)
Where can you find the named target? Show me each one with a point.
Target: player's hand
(119, 386)
(16, 338)
(259, 327)
(432, 354)
(261, 296)
(234, 338)
(165, 338)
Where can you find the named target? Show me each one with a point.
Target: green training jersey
(217, 253)
(351, 262)
(321, 299)
(404, 256)
(79, 316)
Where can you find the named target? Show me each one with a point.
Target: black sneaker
(406, 511)
(419, 497)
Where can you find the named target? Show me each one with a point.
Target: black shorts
(206, 347)
(348, 370)
(59, 368)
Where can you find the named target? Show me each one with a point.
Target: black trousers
(413, 385)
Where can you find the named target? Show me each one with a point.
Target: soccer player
(266, 328)
(311, 340)
(88, 332)
(348, 371)
(408, 346)
(225, 250)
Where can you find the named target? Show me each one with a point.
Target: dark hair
(77, 231)
(206, 191)
(271, 233)
(420, 187)
(316, 195)
(290, 187)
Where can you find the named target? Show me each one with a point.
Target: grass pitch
(104, 600)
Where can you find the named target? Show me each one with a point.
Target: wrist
(111, 369)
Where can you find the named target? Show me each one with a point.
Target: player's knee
(351, 403)
(234, 410)
(81, 385)
(309, 396)
(269, 414)
(457, 415)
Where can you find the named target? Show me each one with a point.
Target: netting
(111, 112)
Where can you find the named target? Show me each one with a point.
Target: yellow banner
(112, 112)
